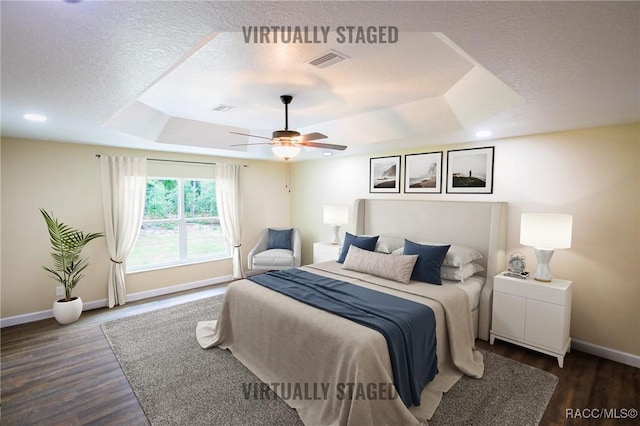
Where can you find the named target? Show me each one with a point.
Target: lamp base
(543, 273)
(335, 239)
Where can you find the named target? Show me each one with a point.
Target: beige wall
(65, 178)
(593, 174)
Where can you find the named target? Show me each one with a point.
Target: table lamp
(336, 216)
(545, 232)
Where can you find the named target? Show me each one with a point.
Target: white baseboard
(607, 353)
(36, 316)
(176, 288)
(25, 318)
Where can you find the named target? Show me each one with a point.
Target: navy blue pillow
(365, 243)
(430, 258)
(279, 239)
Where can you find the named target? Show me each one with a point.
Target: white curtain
(228, 196)
(124, 183)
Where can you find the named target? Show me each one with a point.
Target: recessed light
(327, 153)
(483, 133)
(35, 117)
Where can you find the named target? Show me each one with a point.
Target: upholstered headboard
(480, 225)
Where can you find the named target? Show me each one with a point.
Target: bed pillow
(396, 268)
(430, 258)
(279, 239)
(455, 273)
(365, 243)
(456, 256)
(389, 244)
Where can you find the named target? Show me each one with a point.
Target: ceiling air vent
(222, 108)
(327, 59)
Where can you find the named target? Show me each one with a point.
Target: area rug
(178, 383)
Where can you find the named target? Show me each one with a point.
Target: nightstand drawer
(553, 292)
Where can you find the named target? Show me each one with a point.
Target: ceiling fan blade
(323, 145)
(312, 137)
(257, 143)
(247, 134)
(288, 137)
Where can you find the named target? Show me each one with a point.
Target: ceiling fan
(287, 143)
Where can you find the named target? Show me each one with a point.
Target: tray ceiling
(151, 75)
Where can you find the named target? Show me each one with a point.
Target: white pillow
(456, 256)
(396, 268)
(388, 244)
(455, 273)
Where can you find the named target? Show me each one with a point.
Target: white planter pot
(67, 312)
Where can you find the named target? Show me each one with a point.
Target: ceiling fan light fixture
(287, 143)
(285, 151)
(285, 135)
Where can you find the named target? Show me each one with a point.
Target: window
(180, 225)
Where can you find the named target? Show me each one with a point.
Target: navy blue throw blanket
(408, 327)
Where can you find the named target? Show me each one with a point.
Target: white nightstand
(323, 252)
(532, 314)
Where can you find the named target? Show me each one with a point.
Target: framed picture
(384, 174)
(423, 173)
(470, 171)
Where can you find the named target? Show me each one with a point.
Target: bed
(287, 343)
(481, 225)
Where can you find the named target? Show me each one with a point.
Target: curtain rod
(179, 161)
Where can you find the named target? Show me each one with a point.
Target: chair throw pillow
(279, 239)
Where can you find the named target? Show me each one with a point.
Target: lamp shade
(285, 151)
(546, 231)
(336, 215)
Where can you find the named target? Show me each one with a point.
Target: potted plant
(67, 244)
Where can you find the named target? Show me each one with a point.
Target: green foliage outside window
(162, 199)
(200, 198)
(172, 233)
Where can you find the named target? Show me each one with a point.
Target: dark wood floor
(67, 375)
(586, 383)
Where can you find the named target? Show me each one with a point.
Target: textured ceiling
(147, 74)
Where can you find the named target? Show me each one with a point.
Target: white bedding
(472, 286)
